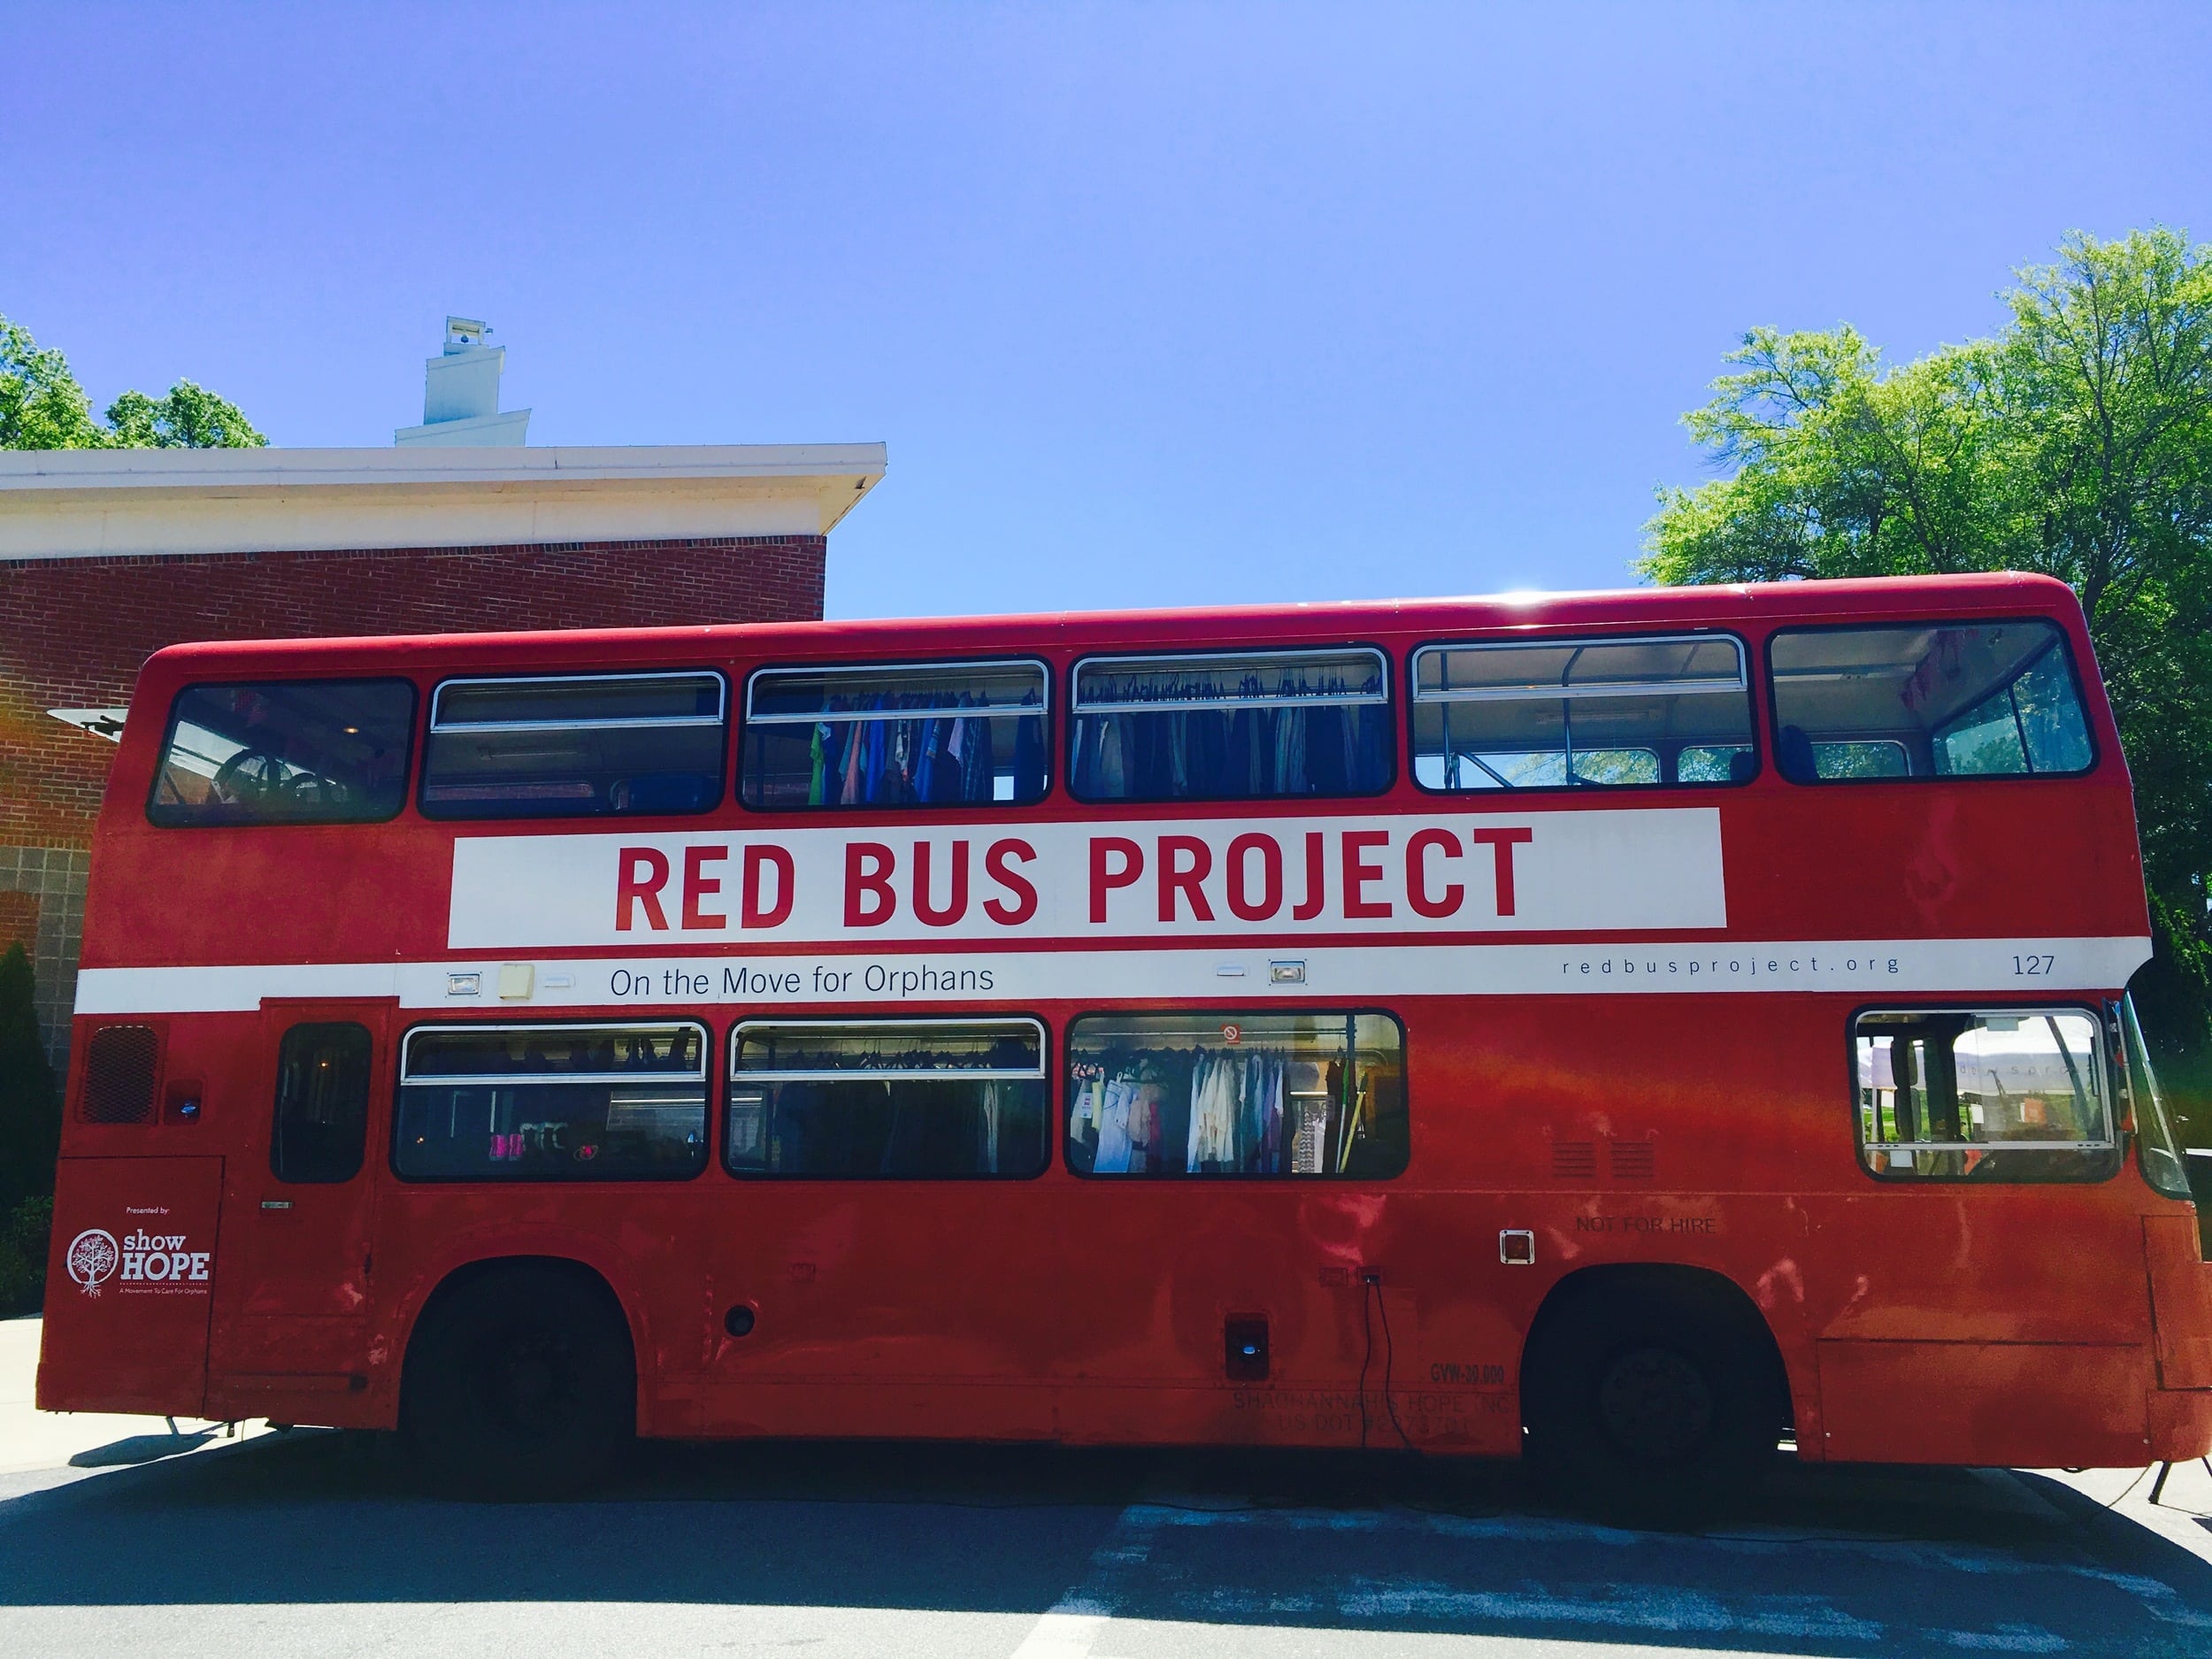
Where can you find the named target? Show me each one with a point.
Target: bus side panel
(128, 1285)
(2181, 1301)
(2036, 1405)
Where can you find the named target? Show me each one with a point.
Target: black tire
(1654, 1405)
(519, 1383)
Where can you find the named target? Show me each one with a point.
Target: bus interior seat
(1794, 756)
(665, 792)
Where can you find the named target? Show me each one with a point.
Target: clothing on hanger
(848, 793)
(1115, 1144)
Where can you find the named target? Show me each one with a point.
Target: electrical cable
(1390, 1354)
(2130, 1486)
(1370, 1286)
(1367, 1330)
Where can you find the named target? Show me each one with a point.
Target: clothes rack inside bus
(761, 1063)
(1256, 1110)
(932, 756)
(1230, 752)
(871, 1127)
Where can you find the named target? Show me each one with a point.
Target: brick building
(107, 556)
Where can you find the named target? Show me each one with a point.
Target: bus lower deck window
(1233, 727)
(917, 1100)
(1993, 1095)
(896, 735)
(1307, 1094)
(575, 745)
(551, 1102)
(1927, 700)
(1561, 714)
(303, 751)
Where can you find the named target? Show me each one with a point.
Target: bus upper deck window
(2013, 1094)
(1226, 1093)
(575, 745)
(551, 1102)
(1927, 700)
(300, 751)
(897, 1099)
(894, 735)
(1556, 714)
(1233, 727)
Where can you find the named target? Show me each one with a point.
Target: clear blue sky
(1153, 304)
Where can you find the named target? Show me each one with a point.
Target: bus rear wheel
(520, 1383)
(1652, 1404)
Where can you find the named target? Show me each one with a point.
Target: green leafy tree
(25, 1235)
(2077, 442)
(30, 1109)
(190, 418)
(41, 407)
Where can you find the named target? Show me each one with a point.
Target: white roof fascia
(508, 428)
(90, 504)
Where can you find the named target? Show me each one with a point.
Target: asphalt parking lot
(313, 1544)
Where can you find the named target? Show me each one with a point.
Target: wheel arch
(585, 1275)
(1704, 1287)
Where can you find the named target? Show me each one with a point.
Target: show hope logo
(92, 1258)
(144, 1259)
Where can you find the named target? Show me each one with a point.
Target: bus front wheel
(1653, 1401)
(520, 1383)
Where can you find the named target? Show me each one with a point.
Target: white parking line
(1072, 1625)
(1071, 1628)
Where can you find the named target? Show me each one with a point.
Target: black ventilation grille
(1632, 1160)
(118, 1075)
(1574, 1160)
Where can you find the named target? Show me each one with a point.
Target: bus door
(293, 1290)
(1971, 1309)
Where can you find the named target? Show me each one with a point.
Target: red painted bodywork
(1981, 1324)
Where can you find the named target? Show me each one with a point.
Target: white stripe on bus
(2030, 969)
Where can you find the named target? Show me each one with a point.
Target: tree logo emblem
(92, 1258)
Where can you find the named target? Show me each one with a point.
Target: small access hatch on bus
(135, 1257)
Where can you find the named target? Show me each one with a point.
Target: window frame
(276, 1104)
(1077, 710)
(416, 742)
(2131, 1049)
(433, 727)
(2061, 637)
(1043, 1074)
(400, 1081)
(1515, 693)
(2118, 1145)
(1041, 710)
(1228, 1014)
(1853, 739)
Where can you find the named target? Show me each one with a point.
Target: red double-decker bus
(1646, 1026)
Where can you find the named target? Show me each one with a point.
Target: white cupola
(460, 394)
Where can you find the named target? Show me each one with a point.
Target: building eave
(149, 503)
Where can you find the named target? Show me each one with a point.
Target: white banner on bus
(1605, 871)
(2019, 969)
